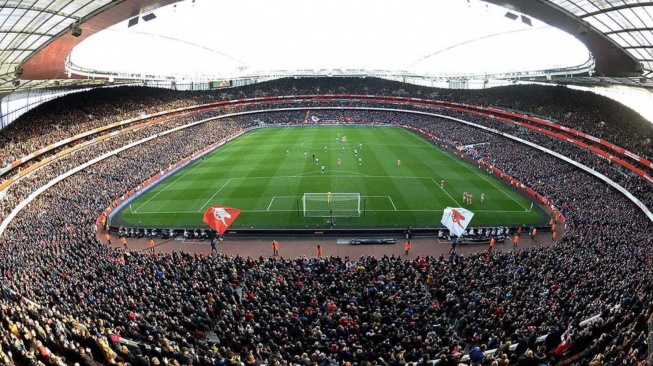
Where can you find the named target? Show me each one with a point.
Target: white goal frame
(340, 204)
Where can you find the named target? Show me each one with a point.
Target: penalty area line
(270, 205)
(164, 188)
(214, 194)
(447, 193)
(392, 202)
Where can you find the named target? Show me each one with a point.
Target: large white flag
(456, 219)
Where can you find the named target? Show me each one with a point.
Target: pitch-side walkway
(295, 247)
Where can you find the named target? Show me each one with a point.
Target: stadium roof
(36, 35)
(188, 42)
(619, 33)
(628, 23)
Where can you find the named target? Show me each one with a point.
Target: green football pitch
(265, 173)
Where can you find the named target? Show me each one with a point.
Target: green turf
(254, 174)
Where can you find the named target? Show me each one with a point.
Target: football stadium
(453, 183)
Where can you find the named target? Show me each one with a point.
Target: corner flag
(456, 219)
(219, 218)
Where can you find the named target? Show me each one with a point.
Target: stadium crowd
(27, 185)
(324, 311)
(79, 112)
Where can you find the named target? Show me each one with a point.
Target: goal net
(331, 204)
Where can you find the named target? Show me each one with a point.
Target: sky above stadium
(211, 38)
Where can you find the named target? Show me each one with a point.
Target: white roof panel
(620, 38)
(633, 18)
(598, 24)
(647, 53)
(636, 53)
(607, 20)
(643, 38)
(581, 7)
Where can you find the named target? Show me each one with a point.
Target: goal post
(329, 204)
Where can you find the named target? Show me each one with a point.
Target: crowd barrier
(591, 171)
(602, 142)
(576, 142)
(61, 177)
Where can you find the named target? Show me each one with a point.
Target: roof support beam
(19, 50)
(11, 31)
(629, 30)
(619, 7)
(637, 47)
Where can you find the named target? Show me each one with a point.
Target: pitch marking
(447, 193)
(270, 205)
(214, 194)
(475, 172)
(393, 204)
(166, 187)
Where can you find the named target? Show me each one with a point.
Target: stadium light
(511, 15)
(75, 30)
(149, 16)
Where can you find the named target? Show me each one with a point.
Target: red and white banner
(219, 218)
